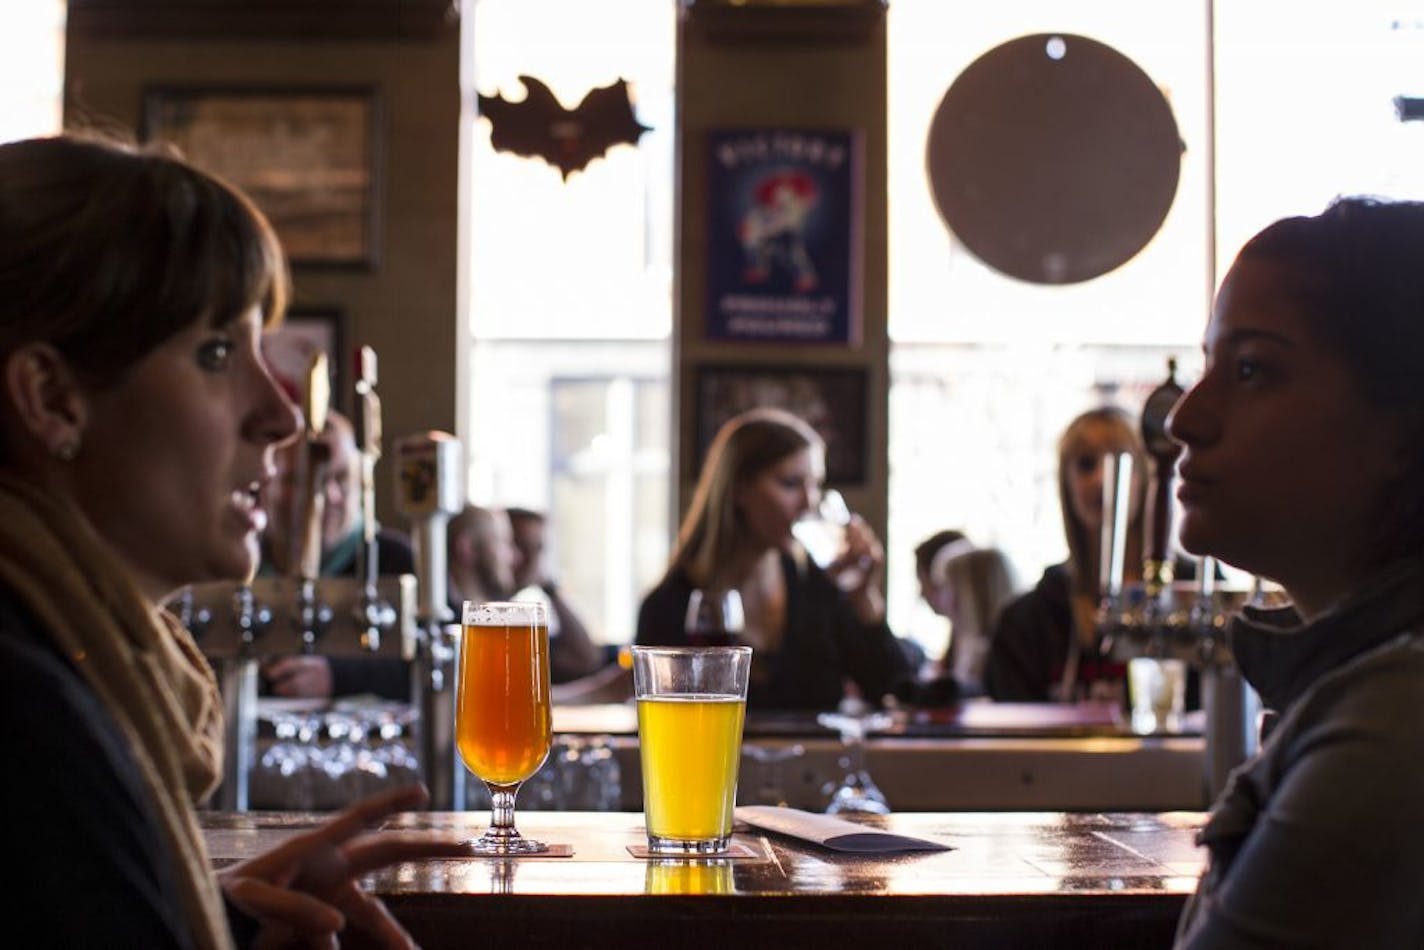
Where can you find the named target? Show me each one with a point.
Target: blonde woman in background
(1045, 646)
(969, 586)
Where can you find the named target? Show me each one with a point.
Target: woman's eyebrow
(1250, 334)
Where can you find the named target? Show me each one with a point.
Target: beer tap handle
(1163, 451)
(372, 615)
(368, 441)
(316, 401)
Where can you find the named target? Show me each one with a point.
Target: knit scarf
(139, 661)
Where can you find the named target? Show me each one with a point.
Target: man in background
(340, 541)
(572, 652)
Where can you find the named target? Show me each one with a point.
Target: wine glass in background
(503, 722)
(770, 787)
(822, 532)
(857, 793)
(714, 618)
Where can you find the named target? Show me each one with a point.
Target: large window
(986, 370)
(31, 69)
(569, 299)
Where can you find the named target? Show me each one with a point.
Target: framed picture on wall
(784, 236)
(305, 332)
(307, 157)
(831, 400)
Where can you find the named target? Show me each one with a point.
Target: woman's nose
(1191, 421)
(275, 418)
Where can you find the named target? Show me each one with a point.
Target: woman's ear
(48, 403)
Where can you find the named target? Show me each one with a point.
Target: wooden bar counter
(1011, 879)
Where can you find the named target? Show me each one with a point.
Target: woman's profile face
(775, 498)
(173, 457)
(1285, 461)
(1083, 468)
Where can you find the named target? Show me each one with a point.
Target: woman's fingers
(303, 913)
(378, 851)
(288, 858)
(370, 915)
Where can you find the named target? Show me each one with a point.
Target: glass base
(502, 844)
(674, 847)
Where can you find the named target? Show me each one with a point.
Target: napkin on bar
(835, 833)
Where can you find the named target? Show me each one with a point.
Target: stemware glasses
(857, 793)
(714, 618)
(822, 532)
(503, 722)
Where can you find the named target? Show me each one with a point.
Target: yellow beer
(503, 725)
(690, 746)
(689, 876)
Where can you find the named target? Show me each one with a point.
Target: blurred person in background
(572, 651)
(1045, 646)
(341, 530)
(815, 643)
(969, 586)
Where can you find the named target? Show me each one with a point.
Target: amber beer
(502, 721)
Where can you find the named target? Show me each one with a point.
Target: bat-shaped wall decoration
(539, 126)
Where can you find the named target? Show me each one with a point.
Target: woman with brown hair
(137, 425)
(811, 636)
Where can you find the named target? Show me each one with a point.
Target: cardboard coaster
(552, 851)
(736, 851)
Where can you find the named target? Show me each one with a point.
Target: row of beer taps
(371, 614)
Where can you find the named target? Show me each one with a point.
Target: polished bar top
(1010, 879)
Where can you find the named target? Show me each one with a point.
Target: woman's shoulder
(662, 607)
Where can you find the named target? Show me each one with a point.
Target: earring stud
(66, 451)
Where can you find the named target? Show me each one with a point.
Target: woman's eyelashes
(214, 354)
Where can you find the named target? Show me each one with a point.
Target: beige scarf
(141, 663)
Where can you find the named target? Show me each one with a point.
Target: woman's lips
(1191, 490)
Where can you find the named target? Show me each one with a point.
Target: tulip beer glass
(502, 718)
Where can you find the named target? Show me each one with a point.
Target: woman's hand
(298, 676)
(857, 570)
(305, 891)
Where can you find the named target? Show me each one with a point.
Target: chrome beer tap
(1167, 619)
(429, 489)
(374, 615)
(313, 617)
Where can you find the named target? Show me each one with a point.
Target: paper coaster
(552, 851)
(737, 850)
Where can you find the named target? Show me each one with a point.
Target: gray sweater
(1318, 841)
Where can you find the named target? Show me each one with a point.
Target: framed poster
(305, 332)
(784, 223)
(307, 157)
(831, 400)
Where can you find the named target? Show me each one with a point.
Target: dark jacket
(825, 642)
(90, 867)
(1029, 645)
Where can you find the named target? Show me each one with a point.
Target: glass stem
(501, 824)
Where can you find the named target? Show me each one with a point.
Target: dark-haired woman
(1304, 463)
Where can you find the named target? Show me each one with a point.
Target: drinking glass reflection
(503, 723)
(856, 793)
